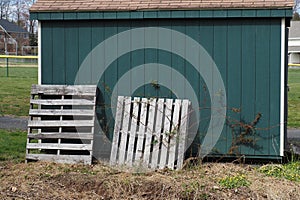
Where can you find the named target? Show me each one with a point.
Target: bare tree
(5, 9)
(296, 16)
(297, 6)
(21, 11)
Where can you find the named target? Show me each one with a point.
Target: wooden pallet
(150, 132)
(61, 123)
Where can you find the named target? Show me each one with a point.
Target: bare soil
(61, 181)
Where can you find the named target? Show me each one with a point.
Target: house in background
(12, 37)
(294, 43)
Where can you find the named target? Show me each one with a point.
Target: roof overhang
(165, 14)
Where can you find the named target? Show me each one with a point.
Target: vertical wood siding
(246, 51)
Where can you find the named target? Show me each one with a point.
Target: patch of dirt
(61, 181)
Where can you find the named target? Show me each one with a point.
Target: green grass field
(294, 99)
(13, 145)
(15, 90)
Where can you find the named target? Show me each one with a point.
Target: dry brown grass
(62, 181)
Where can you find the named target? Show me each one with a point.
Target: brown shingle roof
(132, 5)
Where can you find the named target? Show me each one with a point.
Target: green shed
(228, 57)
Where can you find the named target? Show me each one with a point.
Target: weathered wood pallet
(150, 132)
(61, 123)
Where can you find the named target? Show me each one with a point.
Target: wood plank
(124, 130)
(83, 136)
(58, 123)
(56, 112)
(275, 77)
(234, 77)
(149, 130)
(47, 38)
(184, 122)
(132, 132)
(174, 134)
(141, 133)
(58, 45)
(248, 63)
(69, 159)
(56, 146)
(84, 48)
(261, 146)
(71, 49)
(78, 90)
(158, 127)
(166, 133)
(220, 56)
(65, 102)
(118, 121)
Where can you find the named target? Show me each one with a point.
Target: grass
(237, 181)
(12, 145)
(289, 171)
(294, 99)
(15, 90)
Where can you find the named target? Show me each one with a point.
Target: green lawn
(12, 145)
(15, 90)
(294, 99)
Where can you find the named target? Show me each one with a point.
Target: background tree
(296, 16)
(21, 11)
(5, 9)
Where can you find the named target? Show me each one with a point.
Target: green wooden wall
(246, 51)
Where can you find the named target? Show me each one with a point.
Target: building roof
(132, 5)
(11, 27)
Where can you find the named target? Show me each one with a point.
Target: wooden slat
(56, 112)
(158, 127)
(124, 130)
(183, 132)
(63, 102)
(55, 146)
(58, 123)
(85, 90)
(141, 132)
(118, 121)
(174, 134)
(149, 131)
(166, 132)
(69, 159)
(82, 136)
(132, 132)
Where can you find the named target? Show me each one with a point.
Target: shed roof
(132, 5)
